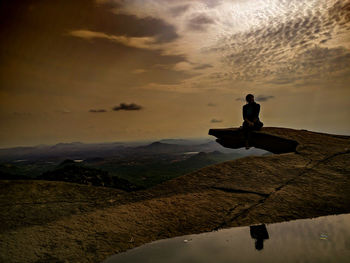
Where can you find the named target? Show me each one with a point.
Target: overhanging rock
(234, 138)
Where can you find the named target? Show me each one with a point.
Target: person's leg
(258, 125)
(245, 125)
(247, 134)
(247, 140)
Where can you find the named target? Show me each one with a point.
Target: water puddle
(323, 239)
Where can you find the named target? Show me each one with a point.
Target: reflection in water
(259, 233)
(323, 239)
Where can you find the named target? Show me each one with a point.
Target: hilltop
(44, 221)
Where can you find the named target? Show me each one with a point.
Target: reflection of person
(251, 118)
(259, 233)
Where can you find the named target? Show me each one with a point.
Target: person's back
(251, 111)
(251, 117)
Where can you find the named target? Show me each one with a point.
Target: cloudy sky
(116, 70)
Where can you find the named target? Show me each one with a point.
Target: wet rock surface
(46, 221)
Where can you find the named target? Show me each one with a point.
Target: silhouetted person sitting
(251, 118)
(259, 233)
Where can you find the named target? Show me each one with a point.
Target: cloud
(178, 10)
(188, 66)
(136, 42)
(258, 98)
(107, 22)
(97, 110)
(183, 66)
(110, 2)
(127, 107)
(216, 121)
(109, 16)
(139, 71)
(262, 42)
(212, 3)
(202, 66)
(263, 97)
(200, 22)
(279, 50)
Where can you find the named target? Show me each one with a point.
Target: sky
(123, 70)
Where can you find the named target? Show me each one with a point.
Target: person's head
(249, 98)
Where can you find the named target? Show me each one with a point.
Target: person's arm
(245, 116)
(250, 122)
(257, 111)
(244, 113)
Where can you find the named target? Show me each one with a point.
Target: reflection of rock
(259, 233)
(41, 218)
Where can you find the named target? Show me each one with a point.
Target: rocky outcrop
(57, 222)
(234, 138)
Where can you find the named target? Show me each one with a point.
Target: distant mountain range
(78, 150)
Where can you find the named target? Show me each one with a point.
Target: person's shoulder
(257, 104)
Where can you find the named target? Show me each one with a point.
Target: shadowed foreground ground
(45, 221)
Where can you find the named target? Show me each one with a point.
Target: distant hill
(61, 151)
(186, 141)
(78, 150)
(105, 164)
(133, 174)
(161, 148)
(70, 171)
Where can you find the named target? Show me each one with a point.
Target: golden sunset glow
(169, 69)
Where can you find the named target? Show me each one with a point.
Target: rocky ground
(43, 221)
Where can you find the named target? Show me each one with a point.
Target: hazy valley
(127, 166)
